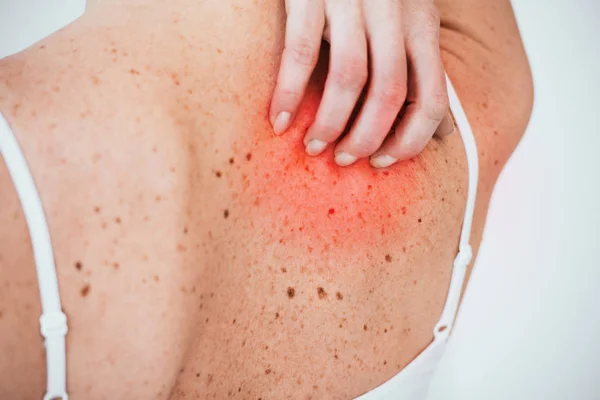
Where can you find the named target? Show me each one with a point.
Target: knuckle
(364, 145)
(436, 108)
(327, 130)
(413, 150)
(350, 73)
(291, 94)
(303, 51)
(413, 147)
(392, 92)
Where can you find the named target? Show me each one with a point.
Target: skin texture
(323, 207)
(183, 228)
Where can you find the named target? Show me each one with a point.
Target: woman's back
(198, 255)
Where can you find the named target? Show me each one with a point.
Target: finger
(428, 98)
(387, 90)
(346, 78)
(446, 127)
(304, 29)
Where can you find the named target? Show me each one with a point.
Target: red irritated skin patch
(311, 203)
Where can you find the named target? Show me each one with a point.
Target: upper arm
(485, 59)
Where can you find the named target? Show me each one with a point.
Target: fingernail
(281, 122)
(315, 147)
(382, 161)
(344, 159)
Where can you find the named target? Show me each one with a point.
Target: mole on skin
(291, 292)
(85, 290)
(312, 203)
(321, 292)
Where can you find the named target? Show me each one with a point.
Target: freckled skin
(202, 282)
(313, 203)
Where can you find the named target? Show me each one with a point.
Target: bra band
(53, 321)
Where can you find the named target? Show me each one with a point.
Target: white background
(529, 327)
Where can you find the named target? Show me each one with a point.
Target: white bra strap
(53, 321)
(465, 252)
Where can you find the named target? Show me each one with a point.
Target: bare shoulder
(485, 59)
(484, 56)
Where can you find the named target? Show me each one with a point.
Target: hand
(392, 43)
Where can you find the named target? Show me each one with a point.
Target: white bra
(410, 384)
